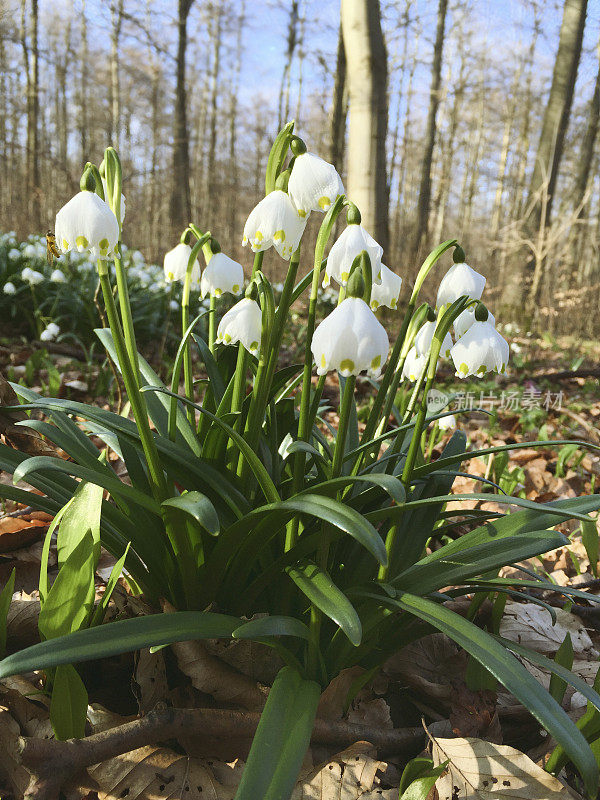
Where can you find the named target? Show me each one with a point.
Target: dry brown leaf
(350, 775)
(531, 626)
(17, 532)
(429, 665)
(475, 713)
(10, 768)
(333, 698)
(375, 713)
(480, 770)
(149, 679)
(22, 620)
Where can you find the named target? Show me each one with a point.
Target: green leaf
(5, 601)
(589, 537)
(277, 156)
(198, 506)
(114, 576)
(318, 587)
(281, 739)
(511, 674)
(564, 658)
(420, 787)
(68, 704)
(82, 516)
(123, 636)
(212, 368)
(271, 626)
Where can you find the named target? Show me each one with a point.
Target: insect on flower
(52, 250)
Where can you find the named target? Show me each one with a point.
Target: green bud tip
(102, 168)
(481, 313)
(458, 256)
(430, 314)
(297, 146)
(87, 182)
(252, 291)
(185, 236)
(282, 180)
(360, 280)
(214, 245)
(353, 216)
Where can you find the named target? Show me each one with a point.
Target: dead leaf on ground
(531, 626)
(11, 770)
(350, 775)
(17, 532)
(475, 713)
(149, 680)
(429, 665)
(479, 770)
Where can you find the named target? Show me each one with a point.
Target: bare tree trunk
(214, 86)
(180, 196)
(31, 61)
(586, 153)
(116, 19)
(233, 162)
(339, 108)
(82, 116)
(301, 54)
(422, 221)
(367, 92)
(284, 91)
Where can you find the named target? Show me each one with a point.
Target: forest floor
(552, 391)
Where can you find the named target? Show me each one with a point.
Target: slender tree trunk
(180, 196)
(367, 92)
(233, 117)
(211, 182)
(301, 53)
(116, 18)
(82, 116)
(339, 108)
(422, 221)
(284, 90)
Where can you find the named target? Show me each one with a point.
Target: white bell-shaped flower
(314, 184)
(424, 338)
(414, 365)
(50, 332)
(387, 292)
(274, 222)
(242, 323)
(58, 276)
(176, 262)
(352, 241)
(350, 340)
(86, 223)
(221, 275)
(32, 276)
(122, 203)
(464, 321)
(447, 423)
(482, 349)
(9, 288)
(460, 280)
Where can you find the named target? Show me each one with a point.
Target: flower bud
(176, 264)
(242, 323)
(221, 275)
(314, 184)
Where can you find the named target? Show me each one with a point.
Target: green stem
(212, 326)
(126, 316)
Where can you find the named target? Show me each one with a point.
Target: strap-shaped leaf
(123, 636)
(198, 506)
(281, 739)
(322, 592)
(271, 626)
(511, 674)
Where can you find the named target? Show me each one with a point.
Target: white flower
(9, 288)
(350, 340)
(459, 280)
(32, 276)
(122, 205)
(176, 262)
(274, 222)
(221, 275)
(50, 332)
(242, 323)
(174, 305)
(87, 223)
(30, 251)
(14, 254)
(414, 365)
(424, 338)
(314, 184)
(482, 349)
(137, 257)
(464, 321)
(353, 240)
(58, 276)
(387, 292)
(447, 423)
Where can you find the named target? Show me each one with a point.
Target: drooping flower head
(50, 332)
(314, 184)
(350, 340)
(242, 323)
(481, 349)
(414, 364)
(352, 241)
(274, 222)
(424, 338)
(460, 280)
(58, 276)
(9, 288)
(447, 423)
(464, 321)
(32, 276)
(221, 275)
(176, 262)
(387, 292)
(86, 223)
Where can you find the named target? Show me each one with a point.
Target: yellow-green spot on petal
(463, 369)
(103, 245)
(170, 276)
(376, 362)
(345, 276)
(279, 236)
(324, 203)
(253, 346)
(235, 287)
(227, 338)
(218, 292)
(323, 362)
(394, 302)
(301, 213)
(82, 242)
(258, 237)
(65, 244)
(347, 365)
(482, 370)
(374, 305)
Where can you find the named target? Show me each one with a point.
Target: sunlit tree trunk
(339, 108)
(180, 196)
(116, 20)
(367, 93)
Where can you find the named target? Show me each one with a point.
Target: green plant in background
(242, 500)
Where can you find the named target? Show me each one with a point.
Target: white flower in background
(482, 349)
(174, 305)
(464, 321)
(352, 241)
(137, 257)
(87, 223)
(278, 288)
(9, 288)
(414, 365)
(176, 262)
(14, 254)
(387, 292)
(58, 276)
(155, 287)
(350, 340)
(122, 205)
(32, 276)
(459, 280)
(242, 323)
(447, 423)
(50, 332)
(274, 222)
(314, 184)
(424, 338)
(222, 274)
